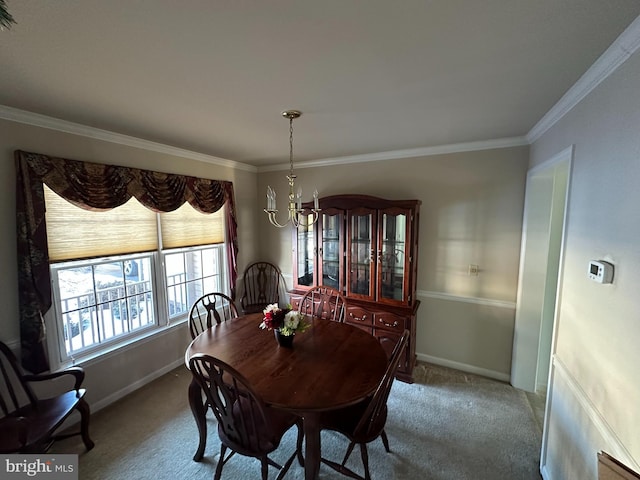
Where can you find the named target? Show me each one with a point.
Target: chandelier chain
(291, 146)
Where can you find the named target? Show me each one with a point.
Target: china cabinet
(367, 248)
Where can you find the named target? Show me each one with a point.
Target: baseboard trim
(464, 367)
(613, 444)
(106, 401)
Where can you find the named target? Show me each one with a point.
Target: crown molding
(618, 53)
(410, 153)
(51, 123)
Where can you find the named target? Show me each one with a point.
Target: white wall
(123, 370)
(594, 396)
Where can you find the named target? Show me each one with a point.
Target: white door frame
(536, 305)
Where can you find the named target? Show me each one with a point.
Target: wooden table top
(331, 365)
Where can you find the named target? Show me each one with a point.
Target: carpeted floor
(448, 425)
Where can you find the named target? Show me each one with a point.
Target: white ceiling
(212, 76)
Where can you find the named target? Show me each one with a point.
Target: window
(102, 187)
(190, 274)
(99, 301)
(113, 279)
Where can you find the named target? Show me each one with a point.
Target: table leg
(311, 423)
(199, 412)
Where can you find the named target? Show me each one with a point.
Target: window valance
(97, 187)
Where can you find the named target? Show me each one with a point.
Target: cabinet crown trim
(357, 200)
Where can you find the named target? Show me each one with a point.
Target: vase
(283, 340)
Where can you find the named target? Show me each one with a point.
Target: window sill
(120, 347)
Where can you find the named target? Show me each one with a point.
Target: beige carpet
(447, 425)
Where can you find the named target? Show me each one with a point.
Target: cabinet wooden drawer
(358, 316)
(389, 321)
(366, 328)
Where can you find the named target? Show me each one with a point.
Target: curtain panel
(97, 187)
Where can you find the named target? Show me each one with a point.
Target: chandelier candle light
(295, 211)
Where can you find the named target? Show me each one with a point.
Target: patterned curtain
(93, 186)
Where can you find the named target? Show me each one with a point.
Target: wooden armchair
(262, 283)
(29, 423)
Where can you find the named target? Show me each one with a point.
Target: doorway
(540, 264)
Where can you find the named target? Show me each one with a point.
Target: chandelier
(296, 214)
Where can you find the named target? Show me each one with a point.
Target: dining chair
(324, 302)
(246, 425)
(29, 423)
(262, 283)
(364, 422)
(208, 308)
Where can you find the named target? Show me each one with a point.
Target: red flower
(274, 316)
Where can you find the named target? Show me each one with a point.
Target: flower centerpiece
(286, 322)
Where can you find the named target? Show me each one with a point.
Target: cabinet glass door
(360, 259)
(305, 255)
(393, 265)
(331, 255)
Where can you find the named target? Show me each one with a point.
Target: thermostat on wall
(600, 271)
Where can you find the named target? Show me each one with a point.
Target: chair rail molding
(488, 302)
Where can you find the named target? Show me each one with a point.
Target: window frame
(162, 321)
(222, 276)
(96, 349)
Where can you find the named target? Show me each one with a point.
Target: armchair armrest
(76, 372)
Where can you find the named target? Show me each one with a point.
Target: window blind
(186, 227)
(75, 233)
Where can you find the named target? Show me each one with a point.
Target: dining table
(331, 365)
